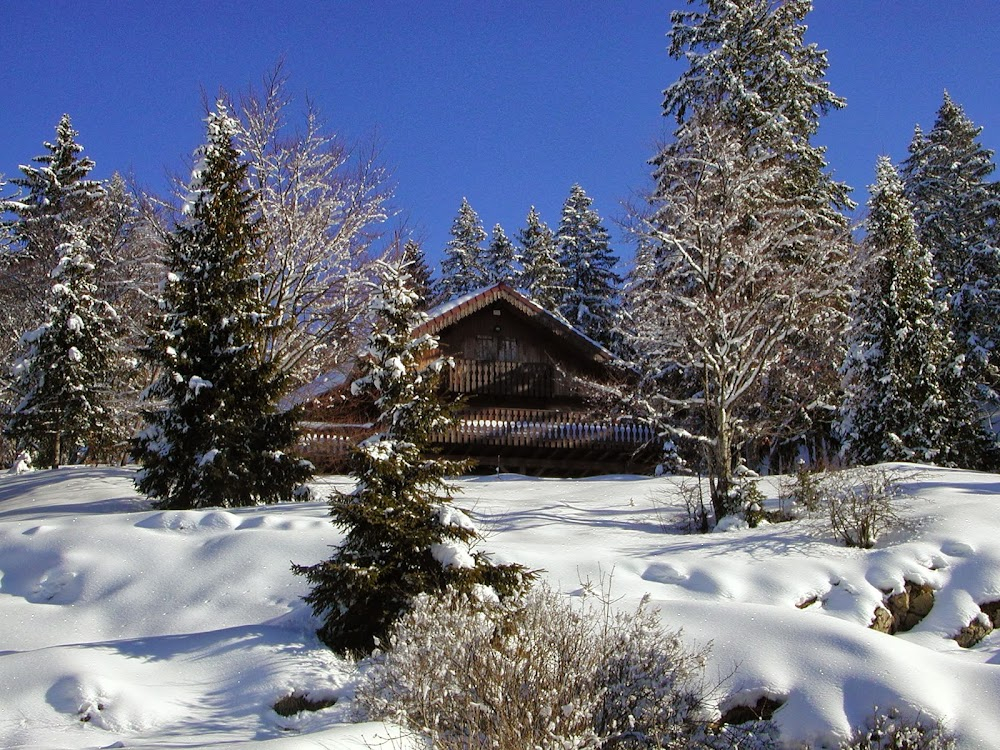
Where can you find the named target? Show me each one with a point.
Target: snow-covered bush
(888, 730)
(537, 672)
(862, 504)
(805, 490)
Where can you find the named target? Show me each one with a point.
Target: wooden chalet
(523, 376)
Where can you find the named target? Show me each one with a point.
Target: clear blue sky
(506, 103)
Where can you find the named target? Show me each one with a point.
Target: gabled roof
(449, 313)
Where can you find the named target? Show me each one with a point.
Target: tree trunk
(720, 457)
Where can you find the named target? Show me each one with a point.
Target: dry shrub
(539, 672)
(888, 730)
(862, 504)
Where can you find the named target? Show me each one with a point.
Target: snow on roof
(449, 312)
(322, 385)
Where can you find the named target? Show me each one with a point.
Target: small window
(508, 350)
(486, 348)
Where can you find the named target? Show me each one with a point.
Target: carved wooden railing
(542, 428)
(526, 379)
(327, 445)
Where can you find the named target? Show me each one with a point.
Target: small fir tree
(403, 536)
(501, 258)
(416, 263)
(464, 267)
(64, 380)
(214, 436)
(893, 407)
(542, 276)
(591, 300)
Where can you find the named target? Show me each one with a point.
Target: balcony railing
(522, 379)
(515, 431)
(543, 428)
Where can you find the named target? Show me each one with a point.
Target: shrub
(889, 731)
(862, 504)
(536, 672)
(690, 493)
(805, 490)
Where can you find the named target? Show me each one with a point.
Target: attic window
(496, 311)
(494, 348)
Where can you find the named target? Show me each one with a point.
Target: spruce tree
(749, 65)
(464, 267)
(56, 203)
(415, 262)
(957, 213)
(591, 300)
(542, 276)
(403, 535)
(64, 380)
(897, 344)
(501, 258)
(214, 436)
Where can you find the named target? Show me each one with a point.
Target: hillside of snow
(125, 626)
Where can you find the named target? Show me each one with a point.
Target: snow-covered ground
(123, 626)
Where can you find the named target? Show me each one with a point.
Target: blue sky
(506, 103)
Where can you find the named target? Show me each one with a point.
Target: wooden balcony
(535, 380)
(527, 441)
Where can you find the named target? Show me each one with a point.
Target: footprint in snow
(664, 573)
(57, 587)
(957, 549)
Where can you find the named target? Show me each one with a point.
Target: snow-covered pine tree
(542, 276)
(745, 235)
(415, 261)
(56, 196)
(214, 436)
(748, 62)
(958, 214)
(591, 299)
(501, 258)
(66, 376)
(464, 266)
(893, 407)
(56, 203)
(403, 535)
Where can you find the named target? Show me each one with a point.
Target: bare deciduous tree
(322, 204)
(725, 304)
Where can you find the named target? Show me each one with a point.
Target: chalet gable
(501, 309)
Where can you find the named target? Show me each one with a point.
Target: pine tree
(403, 536)
(416, 265)
(749, 65)
(214, 436)
(464, 268)
(501, 258)
(591, 300)
(744, 236)
(542, 276)
(58, 196)
(56, 204)
(893, 407)
(958, 214)
(64, 380)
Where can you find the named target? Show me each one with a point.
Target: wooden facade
(521, 374)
